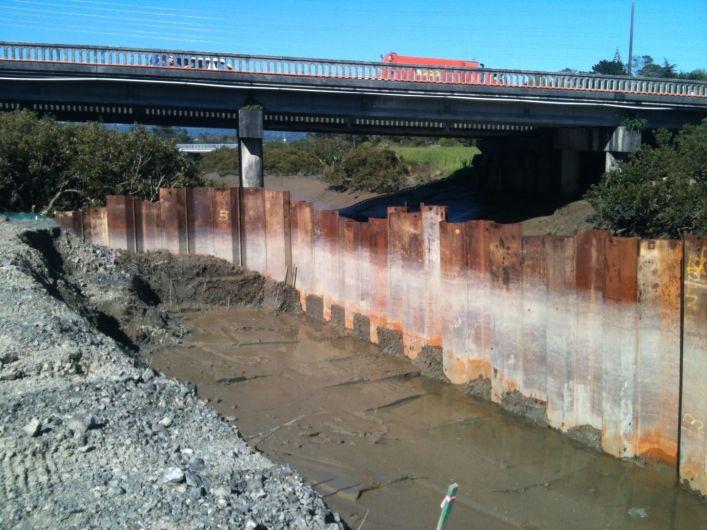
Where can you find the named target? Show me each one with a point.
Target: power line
(114, 18)
(144, 9)
(130, 25)
(152, 8)
(134, 33)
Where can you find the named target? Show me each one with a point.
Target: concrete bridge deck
(127, 85)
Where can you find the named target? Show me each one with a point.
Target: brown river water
(382, 443)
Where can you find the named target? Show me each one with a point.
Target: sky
(522, 34)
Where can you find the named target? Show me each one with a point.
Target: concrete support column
(569, 173)
(610, 161)
(620, 144)
(250, 147)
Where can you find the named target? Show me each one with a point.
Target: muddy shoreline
(380, 440)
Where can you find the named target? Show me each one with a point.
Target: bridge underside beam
(203, 105)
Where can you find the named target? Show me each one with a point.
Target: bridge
(203, 148)
(565, 112)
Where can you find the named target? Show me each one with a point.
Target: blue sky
(528, 34)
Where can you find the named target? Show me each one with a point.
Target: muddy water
(381, 442)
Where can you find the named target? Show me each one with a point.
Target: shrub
(290, 159)
(660, 191)
(223, 161)
(46, 164)
(367, 168)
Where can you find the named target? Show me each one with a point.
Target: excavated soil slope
(91, 436)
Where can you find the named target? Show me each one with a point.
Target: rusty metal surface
(253, 229)
(479, 301)
(302, 248)
(396, 273)
(378, 274)
(225, 207)
(350, 244)
(200, 221)
(431, 218)
(173, 219)
(412, 281)
(120, 213)
(693, 421)
(364, 302)
(65, 219)
(452, 304)
(589, 324)
(658, 362)
(140, 223)
(560, 330)
(148, 233)
(589, 269)
(532, 381)
(96, 226)
(619, 345)
(278, 239)
(505, 303)
(327, 267)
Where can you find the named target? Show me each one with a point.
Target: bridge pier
(572, 142)
(250, 147)
(622, 142)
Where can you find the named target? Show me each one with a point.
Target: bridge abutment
(613, 144)
(250, 147)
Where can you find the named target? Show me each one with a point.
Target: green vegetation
(222, 161)
(295, 158)
(610, 67)
(644, 66)
(46, 165)
(661, 191)
(436, 160)
(367, 167)
(341, 160)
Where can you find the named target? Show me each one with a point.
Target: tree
(660, 191)
(222, 161)
(613, 67)
(167, 132)
(292, 158)
(698, 74)
(367, 167)
(651, 69)
(640, 62)
(45, 164)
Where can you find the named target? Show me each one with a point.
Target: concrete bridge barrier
(601, 337)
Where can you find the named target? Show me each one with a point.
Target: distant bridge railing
(204, 148)
(327, 68)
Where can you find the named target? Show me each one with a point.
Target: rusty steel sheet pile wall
(693, 439)
(603, 337)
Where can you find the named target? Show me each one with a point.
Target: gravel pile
(90, 436)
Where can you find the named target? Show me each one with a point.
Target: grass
(439, 160)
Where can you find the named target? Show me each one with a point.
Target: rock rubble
(89, 435)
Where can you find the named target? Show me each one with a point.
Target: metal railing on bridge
(327, 68)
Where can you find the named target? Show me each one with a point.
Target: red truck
(424, 69)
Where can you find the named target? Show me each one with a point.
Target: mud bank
(91, 436)
(381, 442)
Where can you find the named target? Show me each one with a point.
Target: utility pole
(630, 39)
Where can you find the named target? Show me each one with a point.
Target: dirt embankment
(302, 188)
(91, 436)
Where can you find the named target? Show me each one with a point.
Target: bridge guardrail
(328, 68)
